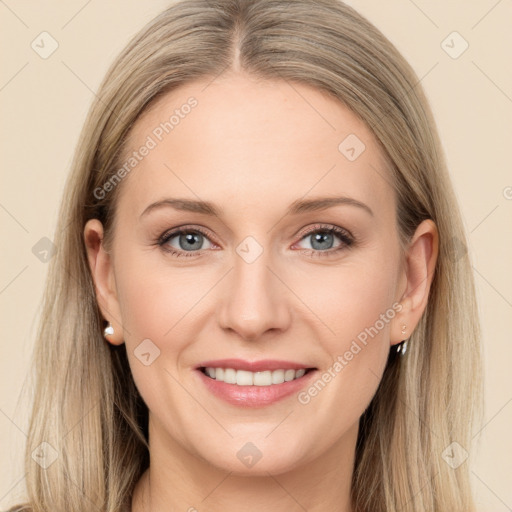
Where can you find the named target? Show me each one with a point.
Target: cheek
(357, 307)
(350, 299)
(156, 299)
(156, 304)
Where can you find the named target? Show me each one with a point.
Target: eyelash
(345, 236)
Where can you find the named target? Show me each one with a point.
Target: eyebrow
(297, 207)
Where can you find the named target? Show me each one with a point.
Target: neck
(180, 480)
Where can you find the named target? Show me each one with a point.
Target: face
(254, 238)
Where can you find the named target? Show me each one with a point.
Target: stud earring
(108, 331)
(401, 348)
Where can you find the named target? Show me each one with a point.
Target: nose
(254, 300)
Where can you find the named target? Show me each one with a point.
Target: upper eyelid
(325, 227)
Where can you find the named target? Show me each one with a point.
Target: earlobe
(420, 263)
(112, 336)
(102, 274)
(400, 327)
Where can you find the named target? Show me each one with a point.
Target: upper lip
(254, 366)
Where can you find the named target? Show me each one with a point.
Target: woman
(257, 257)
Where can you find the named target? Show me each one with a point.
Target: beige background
(43, 103)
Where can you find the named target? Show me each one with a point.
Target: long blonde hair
(87, 407)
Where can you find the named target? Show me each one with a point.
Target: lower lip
(255, 396)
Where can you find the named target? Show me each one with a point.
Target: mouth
(249, 378)
(254, 384)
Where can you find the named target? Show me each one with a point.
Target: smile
(254, 383)
(248, 378)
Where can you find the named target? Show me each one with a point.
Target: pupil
(320, 239)
(191, 241)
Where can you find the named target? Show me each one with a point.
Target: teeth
(229, 375)
(243, 378)
(289, 375)
(263, 378)
(278, 377)
(246, 378)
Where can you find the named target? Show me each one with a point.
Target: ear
(418, 273)
(102, 272)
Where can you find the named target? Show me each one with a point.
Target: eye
(320, 238)
(185, 240)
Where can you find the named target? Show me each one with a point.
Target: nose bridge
(255, 300)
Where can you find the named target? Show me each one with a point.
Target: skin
(252, 148)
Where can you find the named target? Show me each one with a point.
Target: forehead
(239, 139)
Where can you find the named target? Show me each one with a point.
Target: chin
(256, 458)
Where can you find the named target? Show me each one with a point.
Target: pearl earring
(108, 331)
